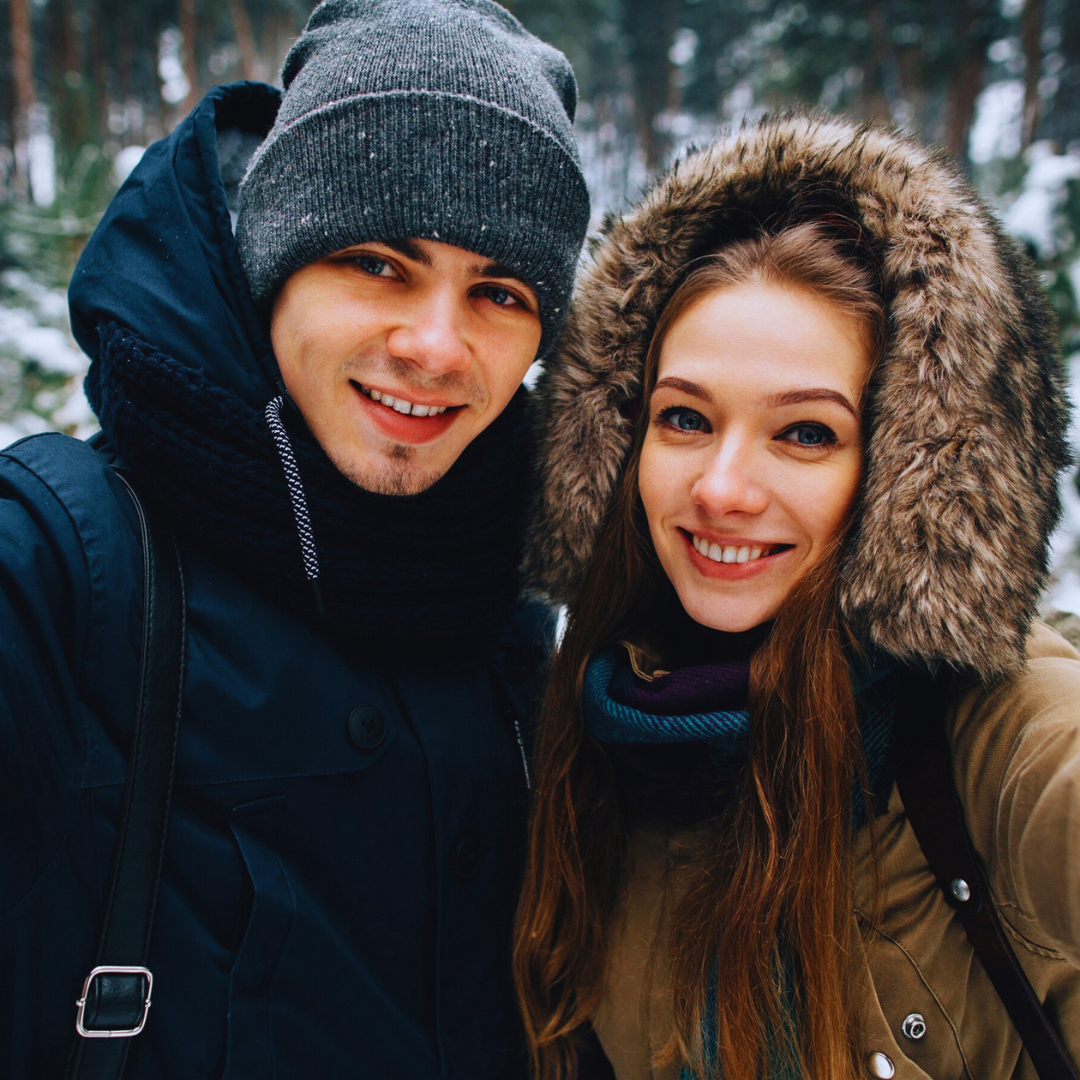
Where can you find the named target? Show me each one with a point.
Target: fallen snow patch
(126, 160)
(50, 348)
(1034, 214)
(998, 125)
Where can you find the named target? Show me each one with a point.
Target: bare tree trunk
(1031, 20)
(125, 35)
(652, 25)
(189, 28)
(912, 86)
(123, 52)
(966, 81)
(876, 98)
(22, 77)
(1060, 118)
(245, 39)
(101, 70)
(68, 82)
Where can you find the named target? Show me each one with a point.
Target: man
(327, 412)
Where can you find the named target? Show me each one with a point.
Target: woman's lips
(737, 561)
(403, 426)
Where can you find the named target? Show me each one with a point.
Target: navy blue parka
(329, 907)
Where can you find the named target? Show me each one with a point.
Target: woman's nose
(730, 483)
(431, 336)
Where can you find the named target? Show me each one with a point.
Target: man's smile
(400, 404)
(406, 421)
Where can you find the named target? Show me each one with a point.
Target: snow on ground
(1035, 213)
(34, 332)
(999, 117)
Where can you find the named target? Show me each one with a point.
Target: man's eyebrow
(496, 270)
(409, 250)
(816, 393)
(685, 386)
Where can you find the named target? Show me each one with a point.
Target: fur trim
(966, 413)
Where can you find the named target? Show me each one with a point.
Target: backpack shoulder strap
(117, 992)
(927, 788)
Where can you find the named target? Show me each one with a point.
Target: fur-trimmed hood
(966, 412)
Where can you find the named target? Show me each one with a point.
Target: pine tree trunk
(68, 93)
(876, 101)
(1060, 118)
(966, 80)
(652, 25)
(22, 77)
(122, 90)
(101, 72)
(250, 67)
(189, 28)
(1031, 21)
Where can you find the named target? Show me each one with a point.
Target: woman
(802, 441)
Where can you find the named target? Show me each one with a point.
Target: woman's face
(754, 448)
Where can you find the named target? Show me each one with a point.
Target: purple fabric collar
(704, 688)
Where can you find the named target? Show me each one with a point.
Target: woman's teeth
(406, 408)
(725, 554)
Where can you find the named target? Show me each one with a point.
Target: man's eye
(812, 436)
(498, 295)
(683, 419)
(372, 264)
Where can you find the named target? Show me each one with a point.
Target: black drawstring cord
(296, 493)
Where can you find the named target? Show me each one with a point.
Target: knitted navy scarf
(695, 720)
(435, 572)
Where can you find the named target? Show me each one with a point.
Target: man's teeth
(406, 408)
(725, 554)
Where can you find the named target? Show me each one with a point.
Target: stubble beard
(402, 476)
(399, 472)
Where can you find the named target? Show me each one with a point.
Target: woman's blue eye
(683, 419)
(811, 435)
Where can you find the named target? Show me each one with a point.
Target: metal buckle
(91, 1033)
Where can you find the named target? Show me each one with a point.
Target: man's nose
(731, 481)
(431, 335)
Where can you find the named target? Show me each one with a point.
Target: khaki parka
(930, 1011)
(1016, 762)
(965, 429)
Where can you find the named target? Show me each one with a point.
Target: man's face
(399, 354)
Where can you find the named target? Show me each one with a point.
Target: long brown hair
(767, 919)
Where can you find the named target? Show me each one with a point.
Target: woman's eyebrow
(797, 397)
(685, 386)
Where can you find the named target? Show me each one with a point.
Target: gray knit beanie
(430, 119)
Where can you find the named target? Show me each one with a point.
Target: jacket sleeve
(69, 565)
(44, 594)
(1017, 762)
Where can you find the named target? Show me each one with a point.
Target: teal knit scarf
(725, 733)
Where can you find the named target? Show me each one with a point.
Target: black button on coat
(312, 919)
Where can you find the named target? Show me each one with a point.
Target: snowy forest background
(85, 85)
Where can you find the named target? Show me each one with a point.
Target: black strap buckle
(113, 997)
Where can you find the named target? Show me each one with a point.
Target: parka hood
(163, 262)
(966, 414)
